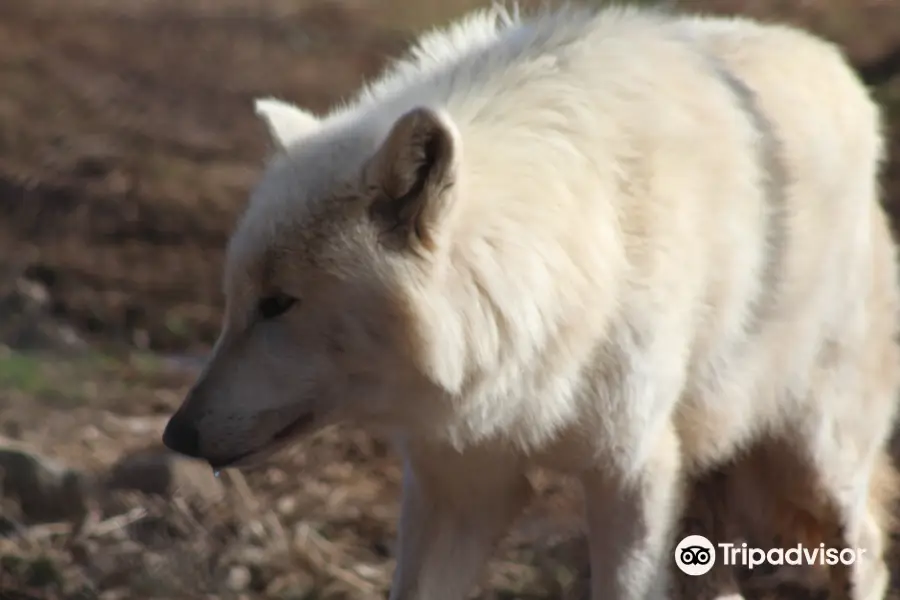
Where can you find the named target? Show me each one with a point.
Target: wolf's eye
(274, 306)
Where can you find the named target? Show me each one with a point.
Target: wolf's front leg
(455, 508)
(631, 513)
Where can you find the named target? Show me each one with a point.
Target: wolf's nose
(181, 435)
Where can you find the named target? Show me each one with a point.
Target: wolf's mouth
(278, 441)
(293, 428)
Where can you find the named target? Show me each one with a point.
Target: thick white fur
(286, 123)
(587, 282)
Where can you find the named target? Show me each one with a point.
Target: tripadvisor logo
(695, 555)
(794, 556)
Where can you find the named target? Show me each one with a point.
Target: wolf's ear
(286, 123)
(414, 169)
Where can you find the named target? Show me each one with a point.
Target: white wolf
(614, 242)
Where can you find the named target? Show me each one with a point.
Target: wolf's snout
(181, 435)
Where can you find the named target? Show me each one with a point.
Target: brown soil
(127, 146)
(129, 142)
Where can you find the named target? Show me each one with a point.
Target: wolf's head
(345, 228)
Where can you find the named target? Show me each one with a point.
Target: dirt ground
(127, 147)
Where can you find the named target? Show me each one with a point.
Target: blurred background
(127, 146)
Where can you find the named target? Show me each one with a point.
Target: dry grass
(317, 521)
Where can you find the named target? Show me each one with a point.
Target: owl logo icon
(695, 555)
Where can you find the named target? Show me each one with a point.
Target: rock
(44, 490)
(159, 472)
(239, 578)
(26, 322)
(286, 506)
